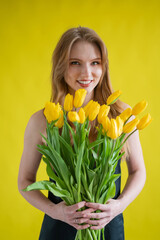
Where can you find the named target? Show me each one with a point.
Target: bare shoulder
(38, 119)
(125, 105)
(36, 124)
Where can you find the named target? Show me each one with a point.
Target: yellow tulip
(73, 116)
(81, 114)
(87, 108)
(139, 107)
(129, 127)
(113, 129)
(68, 102)
(126, 114)
(144, 122)
(60, 121)
(105, 122)
(93, 110)
(104, 109)
(113, 97)
(120, 123)
(79, 97)
(52, 111)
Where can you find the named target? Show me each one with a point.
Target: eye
(95, 63)
(74, 63)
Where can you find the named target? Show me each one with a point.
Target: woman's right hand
(70, 215)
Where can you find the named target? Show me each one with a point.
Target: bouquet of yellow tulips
(85, 170)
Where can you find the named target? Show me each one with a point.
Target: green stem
(93, 234)
(127, 119)
(104, 173)
(129, 136)
(103, 233)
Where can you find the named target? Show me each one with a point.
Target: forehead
(84, 49)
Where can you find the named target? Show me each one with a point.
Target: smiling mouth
(85, 82)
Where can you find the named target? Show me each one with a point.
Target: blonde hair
(60, 62)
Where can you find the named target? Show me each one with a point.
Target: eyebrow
(81, 59)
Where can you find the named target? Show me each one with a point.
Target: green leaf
(73, 136)
(50, 186)
(114, 177)
(65, 130)
(95, 143)
(111, 192)
(67, 146)
(95, 155)
(118, 157)
(91, 187)
(63, 169)
(103, 196)
(52, 174)
(67, 153)
(47, 153)
(90, 174)
(75, 193)
(55, 139)
(85, 187)
(78, 166)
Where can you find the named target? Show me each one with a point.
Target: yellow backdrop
(29, 32)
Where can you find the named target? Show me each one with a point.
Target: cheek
(72, 73)
(98, 72)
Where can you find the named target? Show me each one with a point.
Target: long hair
(60, 59)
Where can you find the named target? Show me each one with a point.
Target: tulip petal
(113, 97)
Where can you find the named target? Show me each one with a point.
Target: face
(85, 67)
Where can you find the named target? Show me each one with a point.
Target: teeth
(85, 82)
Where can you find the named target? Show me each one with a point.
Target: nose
(86, 71)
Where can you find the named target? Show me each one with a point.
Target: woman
(80, 61)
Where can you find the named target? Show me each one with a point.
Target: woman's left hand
(108, 211)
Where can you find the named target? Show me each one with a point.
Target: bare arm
(27, 174)
(136, 170)
(30, 162)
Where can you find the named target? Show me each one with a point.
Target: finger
(102, 207)
(84, 212)
(95, 215)
(76, 206)
(80, 227)
(97, 222)
(98, 227)
(80, 220)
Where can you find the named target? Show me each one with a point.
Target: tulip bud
(126, 114)
(120, 123)
(73, 116)
(79, 97)
(68, 102)
(113, 97)
(52, 111)
(144, 122)
(104, 109)
(87, 108)
(129, 127)
(93, 111)
(81, 114)
(139, 107)
(60, 121)
(113, 130)
(105, 123)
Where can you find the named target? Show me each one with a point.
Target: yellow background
(29, 32)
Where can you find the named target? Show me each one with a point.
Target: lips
(85, 82)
